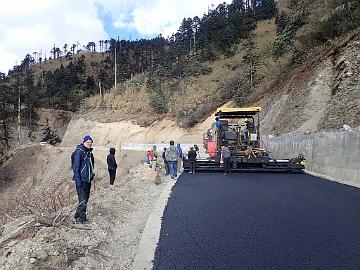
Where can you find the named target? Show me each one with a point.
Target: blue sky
(122, 33)
(35, 26)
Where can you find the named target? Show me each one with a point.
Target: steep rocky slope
(322, 97)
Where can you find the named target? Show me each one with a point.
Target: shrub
(50, 135)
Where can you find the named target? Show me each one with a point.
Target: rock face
(344, 107)
(323, 97)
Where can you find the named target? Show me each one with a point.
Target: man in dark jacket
(83, 169)
(166, 164)
(192, 159)
(112, 165)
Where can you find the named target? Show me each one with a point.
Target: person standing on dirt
(171, 156)
(112, 165)
(166, 164)
(155, 156)
(148, 157)
(180, 157)
(192, 159)
(83, 169)
(226, 154)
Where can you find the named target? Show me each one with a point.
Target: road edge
(150, 236)
(333, 179)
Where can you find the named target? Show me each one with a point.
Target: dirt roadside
(118, 213)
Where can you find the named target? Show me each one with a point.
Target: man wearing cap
(83, 169)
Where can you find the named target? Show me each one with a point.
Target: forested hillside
(233, 52)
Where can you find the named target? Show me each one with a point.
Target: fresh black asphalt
(259, 221)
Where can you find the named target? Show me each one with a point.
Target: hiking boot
(83, 221)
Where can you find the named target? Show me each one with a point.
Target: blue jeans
(173, 168)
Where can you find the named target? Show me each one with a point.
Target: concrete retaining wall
(146, 147)
(333, 154)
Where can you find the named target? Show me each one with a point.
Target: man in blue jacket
(83, 169)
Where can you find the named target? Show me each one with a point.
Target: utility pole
(19, 108)
(115, 63)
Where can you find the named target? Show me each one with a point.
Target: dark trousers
(192, 165)
(112, 174)
(167, 171)
(227, 165)
(83, 193)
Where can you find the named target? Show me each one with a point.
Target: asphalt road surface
(259, 221)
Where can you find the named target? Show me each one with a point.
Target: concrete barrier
(332, 154)
(146, 147)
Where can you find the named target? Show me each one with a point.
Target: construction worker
(192, 159)
(226, 154)
(217, 126)
(196, 148)
(244, 133)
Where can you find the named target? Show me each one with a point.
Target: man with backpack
(82, 160)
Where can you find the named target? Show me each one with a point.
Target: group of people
(151, 157)
(82, 163)
(174, 158)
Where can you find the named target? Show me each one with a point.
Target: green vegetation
(49, 135)
(314, 23)
(207, 62)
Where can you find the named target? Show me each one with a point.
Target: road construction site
(120, 215)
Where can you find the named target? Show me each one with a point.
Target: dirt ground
(118, 213)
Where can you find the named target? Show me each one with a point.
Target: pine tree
(50, 136)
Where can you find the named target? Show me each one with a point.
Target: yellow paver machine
(239, 130)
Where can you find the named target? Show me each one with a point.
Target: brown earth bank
(37, 227)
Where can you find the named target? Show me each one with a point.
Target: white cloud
(155, 17)
(34, 26)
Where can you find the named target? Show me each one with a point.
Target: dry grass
(56, 63)
(39, 203)
(265, 35)
(190, 100)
